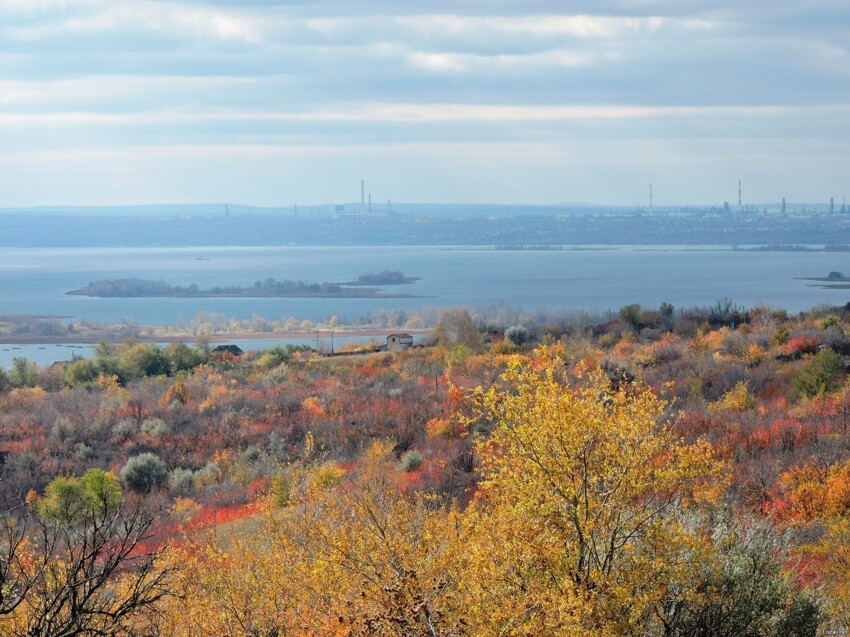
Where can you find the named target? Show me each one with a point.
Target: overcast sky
(276, 102)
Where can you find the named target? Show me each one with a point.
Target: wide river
(35, 281)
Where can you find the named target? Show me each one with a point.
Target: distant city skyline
(278, 102)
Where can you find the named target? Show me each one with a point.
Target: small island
(387, 277)
(832, 281)
(269, 288)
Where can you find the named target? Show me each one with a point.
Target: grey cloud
(132, 77)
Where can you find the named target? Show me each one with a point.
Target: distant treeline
(831, 247)
(532, 247)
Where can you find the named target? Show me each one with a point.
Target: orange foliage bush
(800, 345)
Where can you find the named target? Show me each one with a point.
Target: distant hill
(213, 225)
(223, 209)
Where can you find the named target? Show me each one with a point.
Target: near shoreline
(67, 339)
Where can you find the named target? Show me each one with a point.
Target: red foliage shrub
(800, 345)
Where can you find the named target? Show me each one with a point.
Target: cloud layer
(276, 102)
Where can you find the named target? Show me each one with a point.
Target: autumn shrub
(281, 489)
(26, 397)
(739, 398)
(667, 350)
(735, 344)
(619, 373)
(781, 334)
(458, 355)
(608, 340)
(439, 428)
(326, 476)
(80, 372)
(799, 345)
(184, 509)
(502, 348)
(273, 357)
(176, 393)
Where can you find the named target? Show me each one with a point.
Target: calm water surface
(34, 281)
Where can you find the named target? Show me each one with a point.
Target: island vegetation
(667, 472)
(268, 288)
(385, 277)
(833, 281)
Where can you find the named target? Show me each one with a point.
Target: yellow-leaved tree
(580, 525)
(352, 557)
(584, 523)
(834, 571)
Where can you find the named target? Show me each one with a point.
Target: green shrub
(181, 481)
(281, 489)
(517, 335)
(822, 374)
(144, 473)
(83, 452)
(410, 461)
(67, 499)
(123, 429)
(828, 321)
(155, 427)
(24, 373)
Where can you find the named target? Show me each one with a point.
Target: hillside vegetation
(669, 473)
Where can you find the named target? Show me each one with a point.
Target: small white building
(397, 342)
